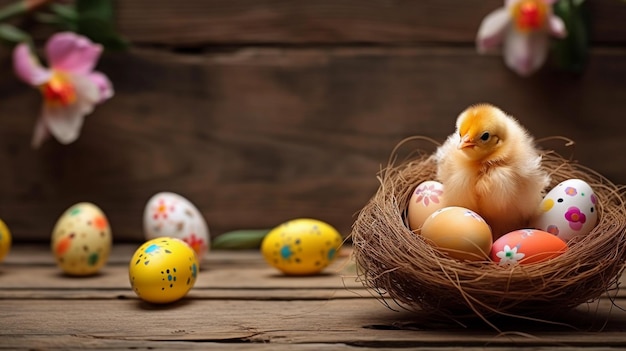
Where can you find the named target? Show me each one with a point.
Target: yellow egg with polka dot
(81, 240)
(5, 240)
(301, 246)
(163, 270)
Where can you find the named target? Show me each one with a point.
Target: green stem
(13, 10)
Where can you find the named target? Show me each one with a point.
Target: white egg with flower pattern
(568, 211)
(171, 215)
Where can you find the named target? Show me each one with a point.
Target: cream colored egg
(5, 240)
(81, 240)
(168, 214)
(459, 232)
(426, 199)
(163, 270)
(301, 246)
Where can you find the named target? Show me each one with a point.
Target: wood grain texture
(44, 310)
(200, 25)
(299, 22)
(221, 272)
(260, 111)
(285, 109)
(356, 321)
(259, 136)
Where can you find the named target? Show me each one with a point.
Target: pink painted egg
(526, 246)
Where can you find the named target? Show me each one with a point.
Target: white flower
(509, 256)
(70, 87)
(523, 26)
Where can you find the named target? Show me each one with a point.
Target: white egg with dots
(569, 210)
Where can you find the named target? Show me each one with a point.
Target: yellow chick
(491, 166)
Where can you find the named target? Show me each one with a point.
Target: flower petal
(104, 85)
(27, 66)
(74, 53)
(65, 122)
(492, 29)
(557, 27)
(86, 89)
(525, 53)
(40, 134)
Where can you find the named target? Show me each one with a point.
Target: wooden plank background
(260, 111)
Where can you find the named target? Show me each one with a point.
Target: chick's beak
(466, 142)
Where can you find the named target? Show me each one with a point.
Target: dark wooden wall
(260, 111)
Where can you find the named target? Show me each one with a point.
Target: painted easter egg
(569, 210)
(459, 232)
(172, 215)
(301, 246)
(81, 240)
(5, 240)
(426, 199)
(163, 270)
(526, 246)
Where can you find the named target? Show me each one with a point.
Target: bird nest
(399, 264)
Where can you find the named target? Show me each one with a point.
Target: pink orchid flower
(70, 87)
(524, 27)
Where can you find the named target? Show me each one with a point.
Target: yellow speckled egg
(5, 240)
(81, 240)
(301, 246)
(459, 232)
(163, 270)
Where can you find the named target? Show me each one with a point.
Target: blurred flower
(523, 27)
(70, 87)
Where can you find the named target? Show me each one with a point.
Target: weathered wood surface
(197, 23)
(250, 307)
(263, 111)
(260, 136)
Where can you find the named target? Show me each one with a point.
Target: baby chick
(491, 166)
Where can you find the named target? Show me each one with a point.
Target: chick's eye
(485, 136)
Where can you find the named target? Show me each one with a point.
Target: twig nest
(400, 264)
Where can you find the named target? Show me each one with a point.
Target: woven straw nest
(399, 264)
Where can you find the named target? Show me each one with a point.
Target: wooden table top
(239, 302)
